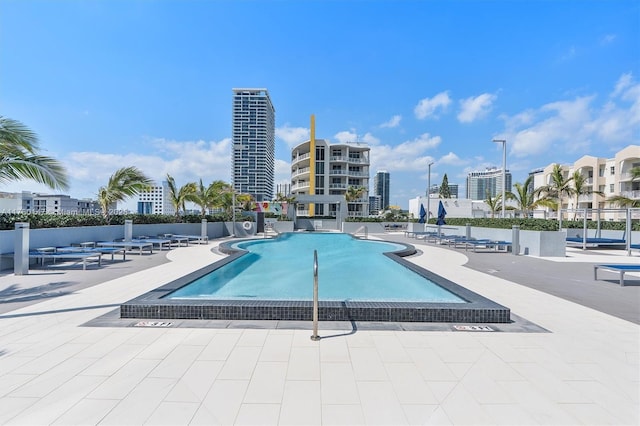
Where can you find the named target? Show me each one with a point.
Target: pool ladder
(315, 336)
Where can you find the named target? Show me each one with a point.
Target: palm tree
(495, 204)
(580, 187)
(179, 196)
(281, 198)
(623, 202)
(124, 183)
(222, 193)
(211, 196)
(559, 188)
(19, 158)
(354, 193)
(525, 200)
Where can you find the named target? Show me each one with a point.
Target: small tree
(124, 183)
(179, 196)
(445, 192)
(354, 193)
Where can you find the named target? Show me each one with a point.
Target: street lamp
(428, 195)
(504, 170)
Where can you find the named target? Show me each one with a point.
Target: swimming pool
(466, 306)
(350, 269)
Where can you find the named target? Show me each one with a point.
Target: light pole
(504, 170)
(428, 195)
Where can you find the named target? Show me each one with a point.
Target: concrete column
(203, 229)
(128, 230)
(515, 239)
(467, 234)
(21, 249)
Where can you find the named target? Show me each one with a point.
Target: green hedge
(47, 220)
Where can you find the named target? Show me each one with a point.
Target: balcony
(300, 185)
(301, 171)
(337, 186)
(631, 194)
(297, 158)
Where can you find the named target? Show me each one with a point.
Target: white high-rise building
(481, 184)
(156, 200)
(253, 134)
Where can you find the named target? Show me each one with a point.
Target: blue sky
(108, 84)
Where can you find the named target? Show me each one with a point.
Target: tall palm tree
(222, 194)
(580, 187)
(124, 183)
(179, 196)
(623, 202)
(204, 198)
(19, 158)
(281, 198)
(559, 188)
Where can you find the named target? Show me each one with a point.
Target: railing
(300, 157)
(269, 227)
(366, 231)
(315, 336)
(300, 171)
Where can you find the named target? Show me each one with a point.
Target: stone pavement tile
(11, 407)
(253, 338)
(430, 365)
(113, 361)
(380, 404)
(267, 383)
(52, 379)
(222, 403)
(195, 383)
(367, 364)
(390, 348)
(304, 363)
(220, 346)
(50, 359)
(9, 382)
(419, 414)
(87, 412)
(618, 404)
(118, 385)
(409, 386)
(240, 364)
(461, 408)
(164, 345)
(277, 346)
(535, 403)
(258, 415)
(301, 403)
(56, 403)
(139, 404)
(508, 414)
(176, 363)
(334, 349)
(172, 413)
(338, 384)
(342, 414)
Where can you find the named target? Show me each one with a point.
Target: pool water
(349, 269)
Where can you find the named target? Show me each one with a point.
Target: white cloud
(474, 108)
(428, 107)
(393, 122)
(292, 136)
(346, 136)
(607, 39)
(407, 156)
(573, 125)
(452, 159)
(282, 172)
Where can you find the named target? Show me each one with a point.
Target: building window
(601, 172)
(612, 171)
(611, 188)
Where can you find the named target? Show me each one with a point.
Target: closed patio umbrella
(441, 214)
(423, 214)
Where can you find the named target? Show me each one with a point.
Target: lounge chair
(620, 268)
(79, 256)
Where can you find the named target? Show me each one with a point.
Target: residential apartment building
(375, 203)
(481, 184)
(253, 134)
(330, 169)
(610, 176)
(156, 200)
(29, 202)
(381, 187)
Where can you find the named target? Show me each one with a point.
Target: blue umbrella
(441, 214)
(423, 213)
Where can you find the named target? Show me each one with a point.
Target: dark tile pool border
(478, 309)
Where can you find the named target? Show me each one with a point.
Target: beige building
(321, 168)
(611, 176)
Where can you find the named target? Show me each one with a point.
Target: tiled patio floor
(54, 370)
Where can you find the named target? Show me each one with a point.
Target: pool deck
(65, 357)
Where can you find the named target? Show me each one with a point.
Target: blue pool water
(349, 269)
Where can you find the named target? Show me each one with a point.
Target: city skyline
(112, 84)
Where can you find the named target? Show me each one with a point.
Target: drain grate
(153, 324)
(472, 328)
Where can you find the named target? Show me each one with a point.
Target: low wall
(59, 237)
